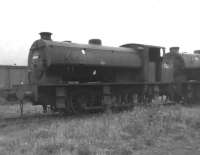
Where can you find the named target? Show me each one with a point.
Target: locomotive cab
(152, 61)
(154, 67)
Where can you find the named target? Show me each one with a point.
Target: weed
(49, 148)
(114, 133)
(44, 134)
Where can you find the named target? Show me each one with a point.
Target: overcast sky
(158, 22)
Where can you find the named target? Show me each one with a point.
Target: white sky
(158, 22)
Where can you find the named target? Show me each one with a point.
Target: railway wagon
(10, 76)
(85, 77)
(182, 70)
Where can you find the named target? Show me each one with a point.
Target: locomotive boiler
(85, 77)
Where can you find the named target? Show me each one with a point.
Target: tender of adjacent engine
(86, 77)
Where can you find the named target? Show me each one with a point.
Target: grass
(150, 130)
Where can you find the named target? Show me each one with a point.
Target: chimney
(45, 35)
(174, 50)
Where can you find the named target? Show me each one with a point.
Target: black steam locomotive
(182, 72)
(88, 77)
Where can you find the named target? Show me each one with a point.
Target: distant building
(12, 75)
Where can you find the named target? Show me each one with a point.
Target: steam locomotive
(183, 72)
(79, 78)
